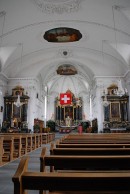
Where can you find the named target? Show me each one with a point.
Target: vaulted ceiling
(103, 50)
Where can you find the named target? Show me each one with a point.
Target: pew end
(42, 161)
(22, 167)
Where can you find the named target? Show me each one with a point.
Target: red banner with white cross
(65, 98)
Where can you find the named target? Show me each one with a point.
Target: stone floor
(7, 171)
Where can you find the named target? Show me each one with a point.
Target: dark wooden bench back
(90, 151)
(75, 162)
(88, 145)
(90, 183)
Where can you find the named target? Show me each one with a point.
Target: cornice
(3, 77)
(24, 78)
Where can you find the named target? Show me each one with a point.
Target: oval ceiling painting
(62, 34)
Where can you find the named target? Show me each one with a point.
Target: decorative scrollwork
(58, 7)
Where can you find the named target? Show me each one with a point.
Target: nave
(79, 169)
(7, 171)
(105, 157)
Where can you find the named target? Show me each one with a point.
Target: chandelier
(18, 103)
(120, 91)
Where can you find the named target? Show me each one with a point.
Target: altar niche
(65, 112)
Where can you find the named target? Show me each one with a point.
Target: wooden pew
(68, 183)
(24, 145)
(17, 146)
(88, 145)
(80, 162)
(98, 136)
(44, 138)
(14, 145)
(96, 139)
(1, 150)
(29, 143)
(8, 149)
(89, 151)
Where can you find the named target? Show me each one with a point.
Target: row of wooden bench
(96, 138)
(16, 145)
(106, 170)
(63, 180)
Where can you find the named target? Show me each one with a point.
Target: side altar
(70, 115)
(15, 110)
(116, 110)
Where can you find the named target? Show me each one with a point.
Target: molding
(116, 76)
(54, 6)
(109, 76)
(20, 78)
(5, 78)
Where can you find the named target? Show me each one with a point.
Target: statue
(68, 121)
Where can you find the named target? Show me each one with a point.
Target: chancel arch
(79, 84)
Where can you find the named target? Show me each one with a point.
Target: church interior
(64, 74)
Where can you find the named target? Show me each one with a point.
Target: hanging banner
(65, 98)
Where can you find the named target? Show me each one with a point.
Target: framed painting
(115, 110)
(16, 111)
(62, 34)
(69, 112)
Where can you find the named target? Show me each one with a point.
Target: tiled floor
(7, 171)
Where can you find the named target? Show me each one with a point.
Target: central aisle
(7, 171)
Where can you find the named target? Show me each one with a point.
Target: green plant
(51, 125)
(36, 128)
(85, 125)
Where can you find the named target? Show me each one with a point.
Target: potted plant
(51, 125)
(85, 125)
(36, 128)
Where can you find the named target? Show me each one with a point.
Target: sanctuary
(69, 114)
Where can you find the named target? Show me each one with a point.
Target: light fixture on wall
(18, 103)
(120, 91)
